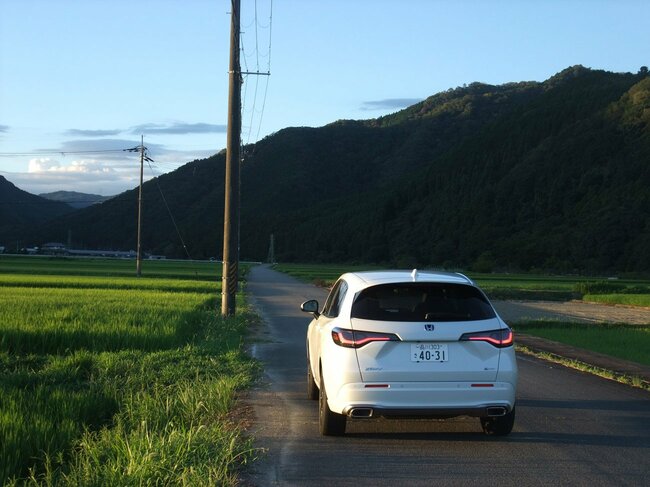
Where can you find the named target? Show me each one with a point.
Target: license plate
(429, 352)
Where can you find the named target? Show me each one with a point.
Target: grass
(628, 342)
(118, 381)
(108, 282)
(61, 266)
(624, 299)
(496, 286)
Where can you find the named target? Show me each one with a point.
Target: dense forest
(21, 211)
(548, 176)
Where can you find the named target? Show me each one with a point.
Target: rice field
(61, 266)
(628, 342)
(107, 379)
(623, 299)
(496, 286)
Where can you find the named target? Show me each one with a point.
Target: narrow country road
(572, 428)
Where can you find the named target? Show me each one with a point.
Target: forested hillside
(75, 199)
(551, 175)
(21, 211)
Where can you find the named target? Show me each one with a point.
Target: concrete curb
(614, 365)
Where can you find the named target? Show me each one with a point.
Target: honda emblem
(429, 327)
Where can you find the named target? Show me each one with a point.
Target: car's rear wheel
(329, 422)
(312, 388)
(500, 425)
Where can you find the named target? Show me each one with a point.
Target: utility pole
(138, 258)
(270, 258)
(230, 272)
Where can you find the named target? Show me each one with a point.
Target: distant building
(102, 253)
(53, 248)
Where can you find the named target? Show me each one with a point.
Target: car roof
(362, 280)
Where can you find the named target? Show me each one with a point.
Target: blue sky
(87, 75)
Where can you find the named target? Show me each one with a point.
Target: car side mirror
(310, 306)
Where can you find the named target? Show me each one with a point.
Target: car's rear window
(422, 302)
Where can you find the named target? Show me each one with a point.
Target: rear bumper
(487, 410)
(424, 399)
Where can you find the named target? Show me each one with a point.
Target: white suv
(409, 344)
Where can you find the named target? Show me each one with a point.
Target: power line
(178, 232)
(63, 153)
(258, 72)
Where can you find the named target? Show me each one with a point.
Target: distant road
(572, 428)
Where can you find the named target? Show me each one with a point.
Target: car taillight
(499, 338)
(357, 339)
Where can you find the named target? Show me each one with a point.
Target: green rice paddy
(107, 379)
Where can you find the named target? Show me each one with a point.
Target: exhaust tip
(496, 411)
(360, 413)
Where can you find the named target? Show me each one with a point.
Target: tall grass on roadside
(35, 419)
(127, 382)
(166, 435)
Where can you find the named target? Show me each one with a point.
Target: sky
(81, 80)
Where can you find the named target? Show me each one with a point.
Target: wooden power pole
(230, 271)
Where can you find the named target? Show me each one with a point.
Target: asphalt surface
(572, 428)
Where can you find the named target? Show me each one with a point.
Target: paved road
(572, 428)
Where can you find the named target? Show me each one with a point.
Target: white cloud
(87, 166)
(104, 168)
(179, 128)
(46, 174)
(389, 103)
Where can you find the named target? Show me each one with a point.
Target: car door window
(335, 299)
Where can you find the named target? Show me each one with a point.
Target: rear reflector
(482, 385)
(377, 386)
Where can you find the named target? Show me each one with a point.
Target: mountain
(523, 176)
(75, 199)
(21, 211)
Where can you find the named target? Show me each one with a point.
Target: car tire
(312, 388)
(500, 425)
(329, 422)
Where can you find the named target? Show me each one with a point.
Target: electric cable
(178, 232)
(60, 152)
